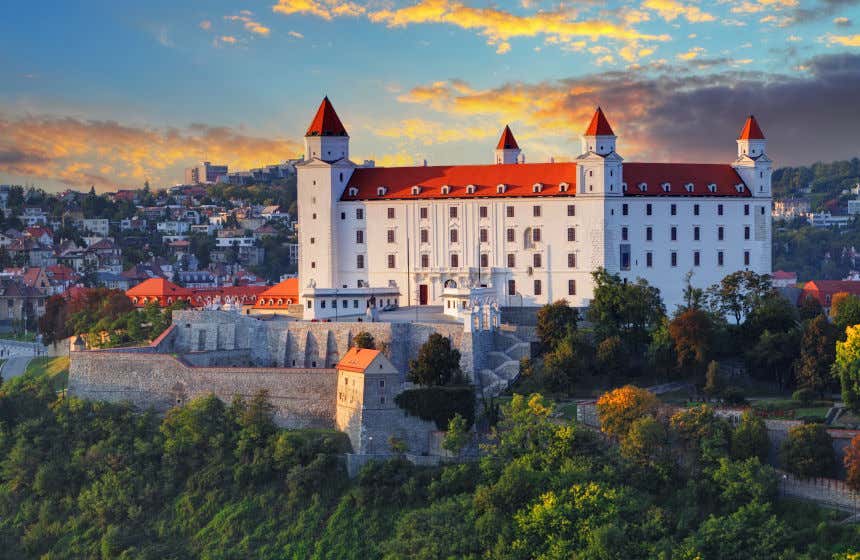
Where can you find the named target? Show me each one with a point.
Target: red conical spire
(751, 130)
(507, 141)
(599, 126)
(326, 122)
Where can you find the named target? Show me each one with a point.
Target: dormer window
(381, 191)
(501, 188)
(643, 187)
(689, 187)
(537, 187)
(667, 187)
(416, 190)
(446, 189)
(739, 188)
(470, 189)
(353, 191)
(712, 188)
(562, 187)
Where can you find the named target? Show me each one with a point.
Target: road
(13, 367)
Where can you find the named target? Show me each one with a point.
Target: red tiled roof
(751, 130)
(519, 180)
(358, 359)
(507, 141)
(824, 290)
(157, 287)
(284, 291)
(326, 122)
(241, 294)
(599, 125)
(679, 175)
(783, 275)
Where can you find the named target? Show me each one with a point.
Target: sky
(112, 94)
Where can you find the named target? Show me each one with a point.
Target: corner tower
(507, 150)
(599, 166)
(322, 177)
(752, 163)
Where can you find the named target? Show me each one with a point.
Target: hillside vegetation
(81, 479)
(826, 181)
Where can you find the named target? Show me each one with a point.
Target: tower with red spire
(326, 137)
(599, 166)
(753, 164)
(507, 150)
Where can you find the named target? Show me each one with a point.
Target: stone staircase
(504, 362)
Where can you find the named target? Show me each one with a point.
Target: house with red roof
(280, 299)
(529, 233)
(824, 290)
(166, 293)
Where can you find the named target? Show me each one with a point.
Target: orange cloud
(253, 26)
(107, 153)
(671, 10)
(430, 132)
(325, 9)
(844, 40)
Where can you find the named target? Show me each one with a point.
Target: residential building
(204, 172)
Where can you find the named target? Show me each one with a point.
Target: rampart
(303, 398)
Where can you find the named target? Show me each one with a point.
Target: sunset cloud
(108, 153)
(844, 40)
(671, 10)
(325, 9)
(251, 25)
(429, 132)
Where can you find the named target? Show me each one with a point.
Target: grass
(55, 369)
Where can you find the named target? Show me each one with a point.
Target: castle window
(484, 235)
(470, 189)
(571, 260)
(696, 258)
(536, 211)
(446, 189)
(501, 188)
(695, 209)
(509, 210)
(746, 258)
(359, 236)
(536, 235)
(313, 264)
(537, 287)
(571, 210)
(624, 187)
(425, 261)
(422, 212)
(485, 260)
(482, 212)
(453, 236)
(649, 259)
(689, 187)
(359, 213)
(353, 191)
(512, 260)
(746, 209)
(391, 213)
(537, 187)
(720, 233)
(673, 209)
(648, 209)
(391, 261)
(696, 232)
(624, 209)
(643, 187)
(416, 190)
(562, 187)
(666, 187)
(511, 235)
(452, 212)
(455, 260)
(674, 258)
(624, 234)
(424, 235)
(312, 240)
(571, 287)
(343, 215)
(571, 234)
(380, 191)
(359, 261)
(673, 234)
(341, 177)
(591, 173)
(390, 235)
(649, 233)
(720, 258)
(512, 287)
(746, 232)
(712, 188)
(719, 209)
(537, 260)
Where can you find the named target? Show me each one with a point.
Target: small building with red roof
(824, 290)
(280, 299)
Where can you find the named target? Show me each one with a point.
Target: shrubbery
(439, 404)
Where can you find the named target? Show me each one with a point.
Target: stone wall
(303, 398)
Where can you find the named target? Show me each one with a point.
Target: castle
(527, 233)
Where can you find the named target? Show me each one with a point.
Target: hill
(825, 182)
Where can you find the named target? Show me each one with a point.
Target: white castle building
(528, 234)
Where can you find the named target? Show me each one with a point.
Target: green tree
(772, 357)
(437, 363)
(646, 443)
(845, 312)
(750, 439)
(705, 436)
(808, 451)
(817, 354)
(554, 320)
(737, 293)
(364, 339)
(612, 358)
(744, 481)
(809, 308)
(570, 360)
(847, 367)
(750, 532)
(457, 435)
(629, 310)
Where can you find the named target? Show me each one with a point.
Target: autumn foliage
(851, 460)
(619, 408)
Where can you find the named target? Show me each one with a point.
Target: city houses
(522, 234)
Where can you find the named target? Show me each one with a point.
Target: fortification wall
(303, 398)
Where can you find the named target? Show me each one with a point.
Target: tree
(53, 325)
(750, 532)
(572, 357)
(553, 322)
(437, 363)
(619, 408)
(629, 310)
(743, 481)
(714, 383)
(808, 451)
(646, 443)
(736, 294)
(692, 332)
(809, 308)
(750, 439)
(364, 339)
(847, 367)
(612, 359)
(661, 350)
(771, 312)
(851, 460)
(457, 435)
(702, 433)
(845, 311)
(817, 354)
(772, 356)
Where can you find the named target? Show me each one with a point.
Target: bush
(734, 396)
(808, 451)
(439, 404)
(804, 396)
